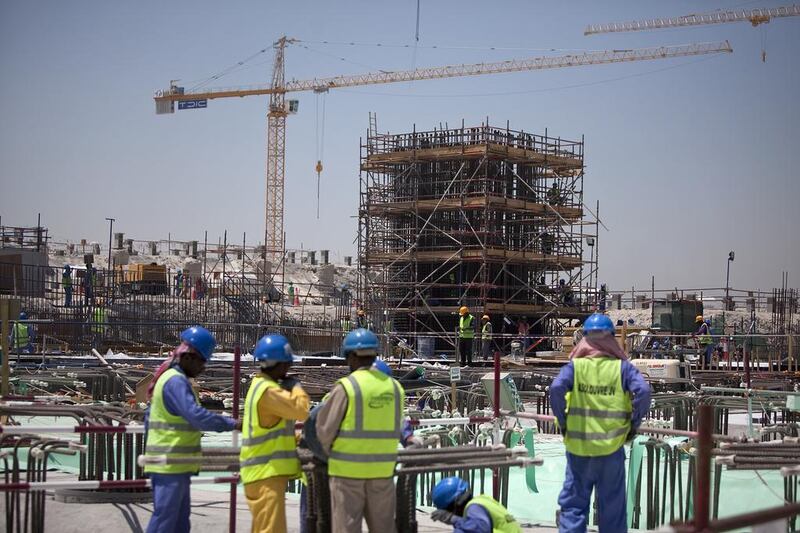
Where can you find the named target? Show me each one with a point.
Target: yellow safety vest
(98, 320)
(266, 452)
(465, 330)
(486, 331)
(169, 434)
(598, 409)
(366, 446)
(502, 520)
(21, 337)
(705, 337)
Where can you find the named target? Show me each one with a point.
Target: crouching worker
(268, 459)
(174, 424)
(456, 506)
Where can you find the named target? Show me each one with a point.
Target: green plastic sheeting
(530, 472)
(634, 468)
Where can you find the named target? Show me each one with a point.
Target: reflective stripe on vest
(465, 330)
(21, 337)
(366, 445)
(502, 520)
(599, 410)
(266, 452)
(705, 337)
(169, 434)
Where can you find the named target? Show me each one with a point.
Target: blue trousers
(171, 503)
(606, 475)
(303, 508)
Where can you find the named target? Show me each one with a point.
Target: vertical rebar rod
(705, 421)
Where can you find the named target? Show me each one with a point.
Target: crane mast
(276, 117)
(276, 158)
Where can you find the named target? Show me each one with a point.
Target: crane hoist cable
(320, 139)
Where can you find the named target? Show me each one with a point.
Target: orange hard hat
(463, 310)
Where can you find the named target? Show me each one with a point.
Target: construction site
(474, 264)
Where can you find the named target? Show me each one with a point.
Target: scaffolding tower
(484, 216)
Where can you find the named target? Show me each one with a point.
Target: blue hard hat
(273, 348)
(201, 340)
(360, 339)
(383, 366)
(23, 315)
(447, 491)
(598, 322)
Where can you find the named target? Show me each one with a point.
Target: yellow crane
(279, 108)
(755, 17)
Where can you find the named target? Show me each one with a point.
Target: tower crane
(753, 16)
(279, 108)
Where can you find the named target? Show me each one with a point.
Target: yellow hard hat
(698, 318)
(463, 310)
(360, 312)
(485, 317)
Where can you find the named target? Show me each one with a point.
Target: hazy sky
(689, 158)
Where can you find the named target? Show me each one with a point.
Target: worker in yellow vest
(599, 399)
(21, 336)
(174, 425)
(359, 427)
(486, 337)
(268, 459)
(704, 339)
(456, 506)
(466, 334)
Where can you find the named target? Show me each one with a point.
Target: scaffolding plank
(499, 202)
(491, 255)
(490, 308)
(379, 161)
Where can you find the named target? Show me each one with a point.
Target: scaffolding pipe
(496, 472)
(101, 485)
(237, 382)
(27, 430)
(641, 429)
(521, 461)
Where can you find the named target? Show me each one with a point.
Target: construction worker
(268, 459)
(466, 334)
(21, 336)
(178, 282)
(554, 195)
(98, 320)
(88, 285)
(486, 337)
(523, 329)
(290, 292)
(361, 320)
(174, 424)
(456, 506)
(347, 325)
(591, 399)
(66, 284)
(703, 336)
(358, 427)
